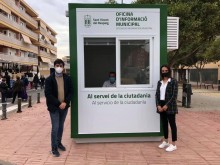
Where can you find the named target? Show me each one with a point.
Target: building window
(99, 60)
(5, 32)
(14, 18)
(135, 60)
(22, 8)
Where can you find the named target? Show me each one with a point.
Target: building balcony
(52, 38)
(45, 44)
(5, 57)
(47, 55)
(17, 44)
(45, 33)
(17, 27)
(22, 14)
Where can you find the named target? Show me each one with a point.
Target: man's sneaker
(164, 144)
(171, 148)
(55, 153)
(61, 147)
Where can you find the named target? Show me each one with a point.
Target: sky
(53, 13)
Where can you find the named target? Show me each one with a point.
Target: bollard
(38, 97)
(4, 111)
(29, 102)
(19, 105)
(186, 95)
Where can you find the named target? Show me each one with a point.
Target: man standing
(58, 92)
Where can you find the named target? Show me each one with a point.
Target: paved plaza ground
(25, 139)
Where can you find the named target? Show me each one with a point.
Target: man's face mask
(59, 69)
(112, 80)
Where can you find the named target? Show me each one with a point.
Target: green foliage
(212, 53)
(198, 27)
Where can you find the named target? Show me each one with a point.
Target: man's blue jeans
(57, 120)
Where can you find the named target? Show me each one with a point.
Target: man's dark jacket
(51, 92)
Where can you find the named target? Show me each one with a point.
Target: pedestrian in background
(8, 78)
(42, 80)
(4, 90)
(36, 81)
(24, 81)
(17, 89)
(24, 91)
(58, 92)
(166, 102)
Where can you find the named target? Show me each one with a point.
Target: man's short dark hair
(58, 61)
(111, 73)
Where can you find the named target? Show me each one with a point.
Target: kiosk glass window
(99, 60)
(135, 61)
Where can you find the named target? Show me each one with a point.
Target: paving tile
(114, 156)
(130, 158)
(96, 156)
(116, 163)
(75, 163)
(137, 163)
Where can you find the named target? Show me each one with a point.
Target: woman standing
(166, 96)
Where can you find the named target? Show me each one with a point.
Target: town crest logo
(87, 21)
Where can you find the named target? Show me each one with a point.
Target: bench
(207, 84)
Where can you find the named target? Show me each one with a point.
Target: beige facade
(211, 65)
(66, 60)
(46, 44)
(26, 41)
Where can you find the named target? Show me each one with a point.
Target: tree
(212, 53)
(198, 28)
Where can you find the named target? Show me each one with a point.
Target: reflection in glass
(135, 62)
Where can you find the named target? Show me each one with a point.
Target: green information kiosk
(130, 40)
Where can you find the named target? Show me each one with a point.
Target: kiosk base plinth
(117, 139)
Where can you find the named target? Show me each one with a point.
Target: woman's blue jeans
(57, 120)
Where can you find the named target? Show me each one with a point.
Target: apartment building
(46, 46)
(66, 60)
(26, 41)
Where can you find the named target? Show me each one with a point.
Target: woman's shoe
(164, 144)
(171, 148)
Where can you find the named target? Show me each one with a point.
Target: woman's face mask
(165, 74)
